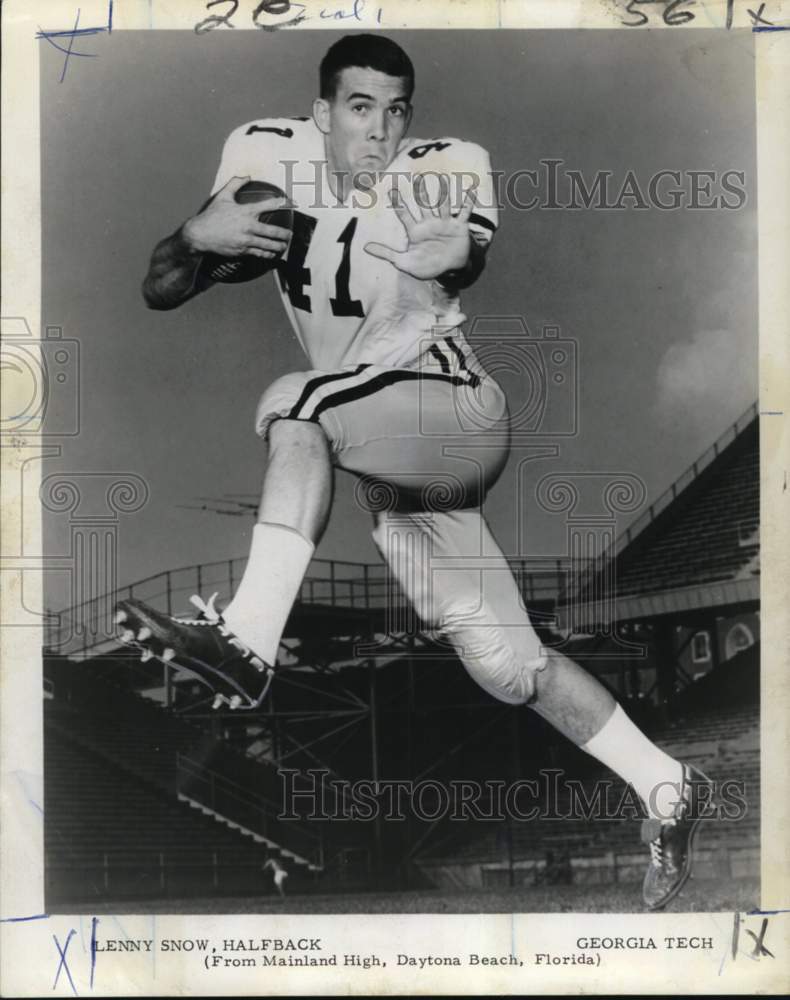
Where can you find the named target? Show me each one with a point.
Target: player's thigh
(432, 443)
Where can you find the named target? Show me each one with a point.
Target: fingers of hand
(382, 251)
(402, 211)
(266, 231)
(271, 248)
(269, 205)
(421, 197)
(229, 190)
(470, 200)
(261, 248)
(265, 254)
(444, 206)
(438, 207)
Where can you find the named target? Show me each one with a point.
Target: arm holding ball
(229, 239)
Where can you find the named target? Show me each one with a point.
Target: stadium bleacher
(721, 739)
(708, 533)
(110, 834)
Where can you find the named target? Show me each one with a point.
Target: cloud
(706, 383)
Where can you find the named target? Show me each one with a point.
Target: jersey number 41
(295, 276)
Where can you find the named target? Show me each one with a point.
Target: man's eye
(397, 111)
(359, 107)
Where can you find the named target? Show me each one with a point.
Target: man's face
(364, 122)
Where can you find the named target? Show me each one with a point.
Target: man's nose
(377, 127)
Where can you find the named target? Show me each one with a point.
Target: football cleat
(203, 645)
(671, 842)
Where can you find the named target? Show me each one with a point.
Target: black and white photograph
(392, 428)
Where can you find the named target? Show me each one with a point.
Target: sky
(659, 307)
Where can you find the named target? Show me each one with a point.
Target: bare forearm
(173, 273)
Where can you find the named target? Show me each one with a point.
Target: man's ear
(409, 113)
(321, 114)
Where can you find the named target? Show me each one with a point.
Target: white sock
(655, 775)
(279, 557)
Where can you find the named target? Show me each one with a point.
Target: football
(233, 270)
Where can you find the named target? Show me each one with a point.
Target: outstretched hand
(438, 240)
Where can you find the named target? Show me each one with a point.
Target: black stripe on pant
(379, 382)
(316, 383)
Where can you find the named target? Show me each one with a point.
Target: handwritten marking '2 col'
(266, 13)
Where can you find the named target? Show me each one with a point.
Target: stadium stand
(716, 727)
(110, 834)
(710, 532)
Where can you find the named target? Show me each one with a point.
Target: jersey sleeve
(257, 149)
(467, 165)
(234, 161)
(484, 220)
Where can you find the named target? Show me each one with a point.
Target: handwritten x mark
(63, 964)
(759, 948)
(758, 18)
(71, 35)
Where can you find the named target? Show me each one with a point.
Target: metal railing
(331, 583)
(256, 813)
(129, 873)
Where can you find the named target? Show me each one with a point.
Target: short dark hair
(368, 51)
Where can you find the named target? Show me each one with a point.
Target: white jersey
(346, 306)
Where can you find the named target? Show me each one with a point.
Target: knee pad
(479, 612)
(501, 663)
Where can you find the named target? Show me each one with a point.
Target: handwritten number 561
(672, 15)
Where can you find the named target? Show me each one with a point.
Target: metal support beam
(516, 765)
(666, 663)
(374, 766)
(715, 645)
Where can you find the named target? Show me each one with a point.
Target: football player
(387, 230)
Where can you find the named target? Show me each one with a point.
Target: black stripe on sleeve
(481, 220)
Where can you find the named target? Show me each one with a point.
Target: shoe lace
(656, 852)
(210, 616)
(208, 612)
